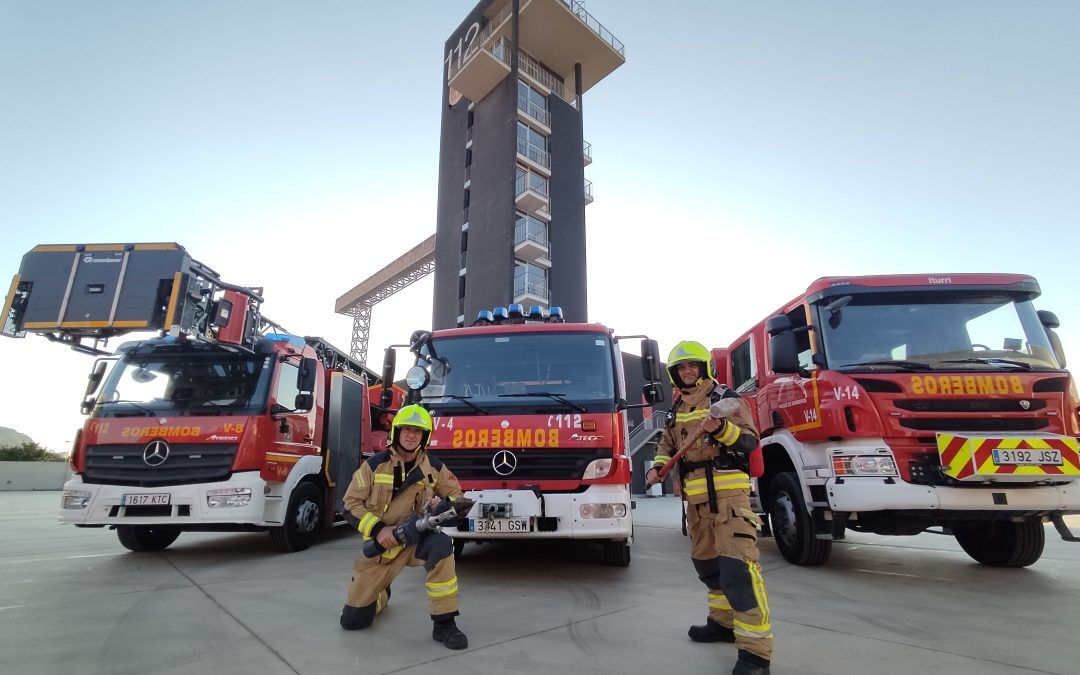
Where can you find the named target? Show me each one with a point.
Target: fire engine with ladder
(223, 421)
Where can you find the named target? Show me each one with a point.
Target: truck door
(295, 427)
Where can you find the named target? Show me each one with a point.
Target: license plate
(1027, 457)
(500, 525)
(145, 500)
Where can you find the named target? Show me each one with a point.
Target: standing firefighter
(389, 494)
(715, 423)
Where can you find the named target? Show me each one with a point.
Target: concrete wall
(33, 475)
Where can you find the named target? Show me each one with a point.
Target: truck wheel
(459, 546)
(302, 520)
(616, 553)
(791, 524)
(146, 537)
(1002, 543)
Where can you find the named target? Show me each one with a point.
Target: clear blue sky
(295, 146)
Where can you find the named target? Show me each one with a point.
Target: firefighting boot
(446, 632)
(750, 664)
(711, 632)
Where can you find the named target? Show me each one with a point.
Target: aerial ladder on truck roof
(81, 295)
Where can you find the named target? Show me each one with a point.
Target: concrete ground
(74, 601)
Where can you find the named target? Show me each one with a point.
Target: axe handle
(682, 451)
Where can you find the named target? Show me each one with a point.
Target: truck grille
(531, 464)
(185, 463)
(968, 405)
(1004, 424)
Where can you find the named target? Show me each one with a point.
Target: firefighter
(716, 488)
(388, 489)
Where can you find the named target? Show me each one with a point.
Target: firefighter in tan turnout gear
(390, 489)
(716, 488)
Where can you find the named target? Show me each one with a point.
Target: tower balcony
(531, 293)
(588, 192)
(531, 245)
(586, 151)
(557, 33)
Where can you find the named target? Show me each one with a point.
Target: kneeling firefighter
(390, 494)
(712, 426)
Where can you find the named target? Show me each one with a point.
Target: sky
(748, 147)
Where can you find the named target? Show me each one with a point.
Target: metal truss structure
(358, 303)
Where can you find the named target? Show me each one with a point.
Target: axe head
(724, 408)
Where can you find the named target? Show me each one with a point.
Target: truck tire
(459, 546)
(791, 524)
(303, 519)
(616, 553)
(1002, 543)
(146, 537)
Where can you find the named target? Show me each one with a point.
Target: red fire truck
(530, 415)
(894, 404)
(216, 423)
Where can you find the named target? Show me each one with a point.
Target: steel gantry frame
(358, 303)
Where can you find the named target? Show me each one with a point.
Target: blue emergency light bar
(536, 313)
(516, 311)
(500, 314)
(485, 315)
(555, 314)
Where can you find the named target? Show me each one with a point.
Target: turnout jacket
(381, 493)
(715, 465)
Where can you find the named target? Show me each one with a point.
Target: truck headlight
(598, 468)
(75, 499)
(603, 510)
(228, 498)
(864, 465)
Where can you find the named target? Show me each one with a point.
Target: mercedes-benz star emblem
(155, 453)
(504, 462)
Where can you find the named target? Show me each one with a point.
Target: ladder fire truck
(223, 421)
(894, 404)
(530, 415)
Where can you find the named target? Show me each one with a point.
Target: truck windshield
(221, 383)
(567, 371)
(933, 330)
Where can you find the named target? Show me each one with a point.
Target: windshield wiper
(895, 363)
(149, 413)
(548, 394)
(992, 361)
(466, 401)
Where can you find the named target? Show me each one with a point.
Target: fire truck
(896, 404)
(222, 421)
(530, 414)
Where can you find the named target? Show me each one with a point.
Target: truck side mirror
(650, 362)
(653, 393)
(389, 366)
(305, 376)
(777, 324)
(783, 351)
(1049, 322)
(93, 380)
(304, 402)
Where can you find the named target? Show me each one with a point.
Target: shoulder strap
(378, 458)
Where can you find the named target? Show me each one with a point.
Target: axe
(717, 411)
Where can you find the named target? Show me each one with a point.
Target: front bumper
(854, 494)
(187, 505)
(561, 511)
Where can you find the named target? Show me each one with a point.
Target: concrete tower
(512, 157)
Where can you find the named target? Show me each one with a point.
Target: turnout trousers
(372, 576)
(725, 555)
